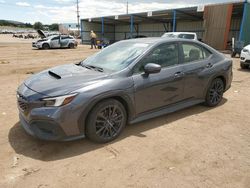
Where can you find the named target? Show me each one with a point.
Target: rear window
(194, 52)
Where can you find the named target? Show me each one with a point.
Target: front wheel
(71, 46)
(106, 121)
(45, 46)
(215, 93)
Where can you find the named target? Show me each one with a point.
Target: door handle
(179, 74)
(209, 65)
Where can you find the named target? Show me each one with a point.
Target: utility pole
(127, 7)
(78, 16)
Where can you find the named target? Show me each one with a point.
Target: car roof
(154, 40)
(177, 33)
(51, 36)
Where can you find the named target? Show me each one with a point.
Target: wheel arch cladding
(223, 79)
(124, 100)
(220, 76)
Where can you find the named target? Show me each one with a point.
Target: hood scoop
(54, 75)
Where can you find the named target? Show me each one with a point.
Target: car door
(64, 41)
(196, 61)
(161, 89)
(55, 42)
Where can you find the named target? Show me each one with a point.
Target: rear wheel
(243, 66)
(45, 46)
(106, 121)
(215, 92)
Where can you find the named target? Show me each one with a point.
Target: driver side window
(56, 38)
(164, 55)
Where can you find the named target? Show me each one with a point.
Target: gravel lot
(195, 147)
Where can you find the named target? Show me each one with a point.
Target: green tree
(38, 25)
(54, 27)
(28, 25)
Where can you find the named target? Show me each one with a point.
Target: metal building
(214, 24)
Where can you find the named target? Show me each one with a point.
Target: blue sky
(62, 11)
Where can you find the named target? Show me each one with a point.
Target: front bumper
(245, 58)
(46, 130)
(47, 123)
(36, 45)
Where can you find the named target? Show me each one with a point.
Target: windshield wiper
(86, 66)
(96, 68)
(93, 67)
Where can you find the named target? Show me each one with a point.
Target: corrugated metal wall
(217, 25)
(152, 30)
(245, 30)
(234, 29)
(191, 26)
(97, 28)
(122, 32)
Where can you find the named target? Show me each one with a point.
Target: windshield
(117, 56)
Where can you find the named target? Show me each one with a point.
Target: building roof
(162, 16)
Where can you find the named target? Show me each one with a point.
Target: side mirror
(152, 68)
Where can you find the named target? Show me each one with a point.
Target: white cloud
(23, 4)
(65, 11)
(2, 1)
(96, 8)
(63, 1)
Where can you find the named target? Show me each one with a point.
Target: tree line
(36, 25)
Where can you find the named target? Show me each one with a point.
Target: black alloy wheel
(106, 121)
(215, 92)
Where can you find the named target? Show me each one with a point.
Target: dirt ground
(195, 147)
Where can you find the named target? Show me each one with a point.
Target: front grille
(22, 102)
(23, 105)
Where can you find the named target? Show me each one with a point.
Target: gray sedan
(127, 82)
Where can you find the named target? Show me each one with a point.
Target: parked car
(126, 82)
(56, 41)
(245, 57)
(183, 35)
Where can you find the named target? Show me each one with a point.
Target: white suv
(245, 57)
(183, 35)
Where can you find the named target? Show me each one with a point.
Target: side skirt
(166, 110)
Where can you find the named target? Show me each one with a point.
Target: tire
(106, 121)
(215, 93)
(46, 46)
(243, 66)
(233, 54)
(71, 46)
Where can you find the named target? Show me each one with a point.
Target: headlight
(245, 50)
(60, 100)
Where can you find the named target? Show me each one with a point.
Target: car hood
(63, 79)
(41, 33)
